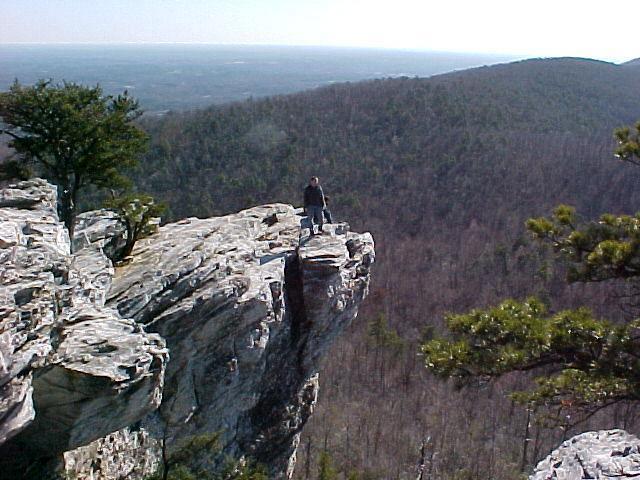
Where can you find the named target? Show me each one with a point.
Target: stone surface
(122, 455)
(247, 305)
(71, 369)
(33, 248)
(99, 228)
(607, 454)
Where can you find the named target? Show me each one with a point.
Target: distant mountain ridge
(407, 124)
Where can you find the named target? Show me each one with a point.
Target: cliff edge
(245, 304)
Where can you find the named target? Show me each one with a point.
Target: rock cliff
(246, 304)
(610, 454)
(71, 368)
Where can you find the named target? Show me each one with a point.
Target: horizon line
(512, 56)
(302, 45)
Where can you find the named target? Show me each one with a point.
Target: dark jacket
(313, 196)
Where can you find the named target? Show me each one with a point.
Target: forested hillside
(443, 172)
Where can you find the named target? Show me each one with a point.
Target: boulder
(606, 454)
(122, 455)
(102, 229)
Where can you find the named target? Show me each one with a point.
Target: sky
(541, 28)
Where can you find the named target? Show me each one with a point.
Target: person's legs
(315, 218)
(310, 215)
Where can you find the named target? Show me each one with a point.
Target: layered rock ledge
(247, 304)
(71, 368)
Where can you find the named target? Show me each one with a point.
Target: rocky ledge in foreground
(610, 454)
(71, 368)
(247, 305)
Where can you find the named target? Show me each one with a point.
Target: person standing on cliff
(314, 204)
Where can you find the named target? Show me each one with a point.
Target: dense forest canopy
(451, 132)
(443, 171)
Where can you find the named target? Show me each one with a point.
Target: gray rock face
(71, 369)
(607, 454)
(124, 455)
(247, 305)
(101, 229)
(32, 250)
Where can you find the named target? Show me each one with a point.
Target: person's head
(314, 181)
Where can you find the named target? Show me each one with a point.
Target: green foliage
(136, 212)
(595, 251)
(326, 470)
(520, 340)
(194, 447)
(74, 135)
(628, 144)
(586, 363)
(383, 336)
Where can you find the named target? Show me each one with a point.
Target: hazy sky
(590, 28)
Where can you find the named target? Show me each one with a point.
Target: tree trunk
(66, 208)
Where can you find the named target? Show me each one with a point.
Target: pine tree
(326, 470)
(74, 135)
(137, 212)
(583, 363)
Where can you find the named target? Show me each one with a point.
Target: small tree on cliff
(137, 212)
(584, 363)
(75, 136)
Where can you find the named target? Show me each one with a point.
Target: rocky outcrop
(125, 454)
(99, 229)
(610, 454)
(71, 369)
(247, 305)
